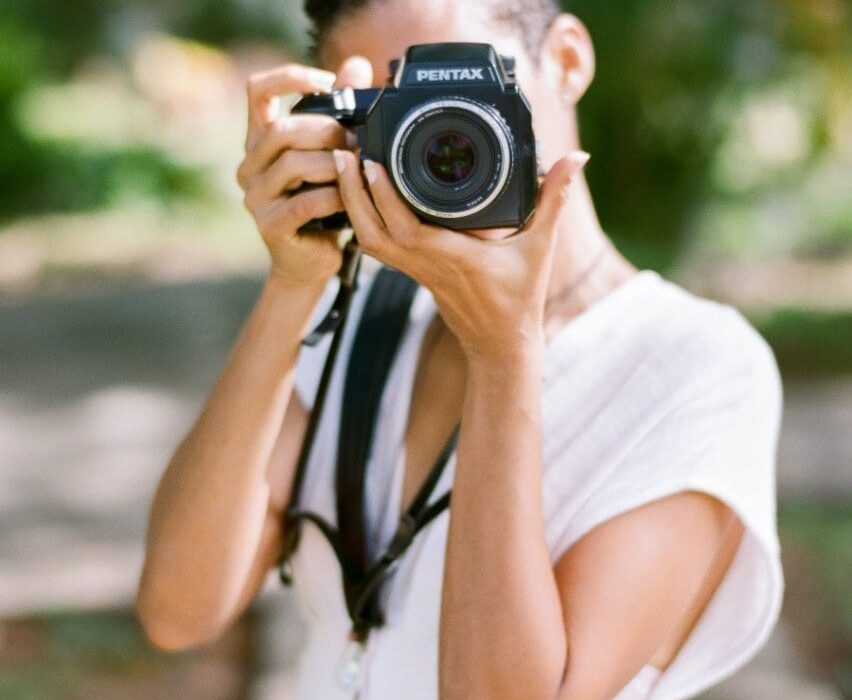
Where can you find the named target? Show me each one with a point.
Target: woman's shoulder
(692, 341)
(691, 404)
(717, 340)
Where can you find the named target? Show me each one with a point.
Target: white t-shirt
(649, 392)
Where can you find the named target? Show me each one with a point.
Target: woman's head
(528, 20)
(555, 59)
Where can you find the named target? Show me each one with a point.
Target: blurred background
(722, 140)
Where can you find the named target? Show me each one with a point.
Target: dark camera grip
(335, 222)
(319, 103)
(316, 103)
(350, 108)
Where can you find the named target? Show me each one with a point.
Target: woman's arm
(634, 587)
(512, 626)
(214, 528)
(501, 633)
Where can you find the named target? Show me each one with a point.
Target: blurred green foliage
(664, 119)
(40, 176)
(46, 43)
(717, 126)
(807, 343)
(817, 559)
(61, 644)
(103, 654)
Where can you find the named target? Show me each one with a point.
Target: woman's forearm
(211, 504)
(501, 634)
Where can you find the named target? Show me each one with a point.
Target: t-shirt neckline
(424, 305)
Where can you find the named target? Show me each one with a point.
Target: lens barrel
(451, 157)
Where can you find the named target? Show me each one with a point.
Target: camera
(454, 132)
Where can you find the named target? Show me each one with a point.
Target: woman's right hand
(282, 154)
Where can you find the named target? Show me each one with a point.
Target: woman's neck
(586, 266)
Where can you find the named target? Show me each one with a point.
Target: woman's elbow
(171, 630)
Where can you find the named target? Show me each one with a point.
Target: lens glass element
(450, 158)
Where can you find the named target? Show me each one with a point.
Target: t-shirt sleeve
(311, 361)
(719, 437)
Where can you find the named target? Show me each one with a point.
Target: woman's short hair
(528, 18)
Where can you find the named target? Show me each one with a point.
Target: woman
(612, 529)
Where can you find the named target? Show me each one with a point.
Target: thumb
(554, 190)
(355, 72)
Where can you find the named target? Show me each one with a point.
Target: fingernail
(580, 158)
(370, 171)
(324, 78)
(339, 161)
(351, 139)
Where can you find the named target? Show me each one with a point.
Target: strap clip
(402, 539)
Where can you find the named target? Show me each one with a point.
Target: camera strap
(377, 339)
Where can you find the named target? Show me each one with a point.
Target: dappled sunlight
(721, 136)
(76, 480)
(143, 239)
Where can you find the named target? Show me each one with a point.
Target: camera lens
(450, 158)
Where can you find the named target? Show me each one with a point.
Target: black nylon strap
(383, 322)
(333, 322)
(431, 481)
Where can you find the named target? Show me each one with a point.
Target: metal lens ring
(450, 158)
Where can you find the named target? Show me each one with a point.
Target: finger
(292, 212)
(355, 72)
(403, 226)
(290, 172)
(306, 132)
(365, 219)
(263, 88)
(554, 190)
(400, 221)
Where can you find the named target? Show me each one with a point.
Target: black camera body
(454, 132)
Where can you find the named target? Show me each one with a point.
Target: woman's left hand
(490, 291)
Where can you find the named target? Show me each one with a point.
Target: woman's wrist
(506, 363)
(507, 352)
(299, 292)
(296, 302)
(281, 317)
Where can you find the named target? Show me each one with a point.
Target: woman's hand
(284, 153)
(490, 289)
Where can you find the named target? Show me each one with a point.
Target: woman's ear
(568, 58)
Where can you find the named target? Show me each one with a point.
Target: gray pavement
(97, 388)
